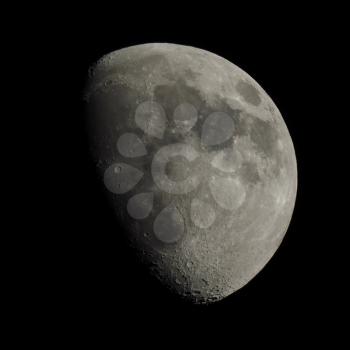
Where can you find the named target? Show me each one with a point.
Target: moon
(197, 162)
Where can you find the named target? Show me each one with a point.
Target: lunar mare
(197, 162)
(217, 128)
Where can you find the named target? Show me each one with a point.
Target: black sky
(90, 279)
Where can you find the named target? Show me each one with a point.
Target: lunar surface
(197, 162)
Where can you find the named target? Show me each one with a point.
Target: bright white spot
(129, 145)
(169, 225)
(150, 117)
(120, 178)
(217, 128)
(202, 214)
(117, 169)
(140, 205)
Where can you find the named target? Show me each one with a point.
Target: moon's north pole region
(198, 164)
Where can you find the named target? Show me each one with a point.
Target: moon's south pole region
(197, 162)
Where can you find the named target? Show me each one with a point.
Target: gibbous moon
(197, 162)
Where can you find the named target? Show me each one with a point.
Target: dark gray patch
(265, 136)
(217, 128)
(249, 93)
(241, 123)
(249, 172)
(152, 60)
(178, 168)
(221, 104)
(170, 96)
(190, 74)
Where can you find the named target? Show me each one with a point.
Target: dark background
(90, 280)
